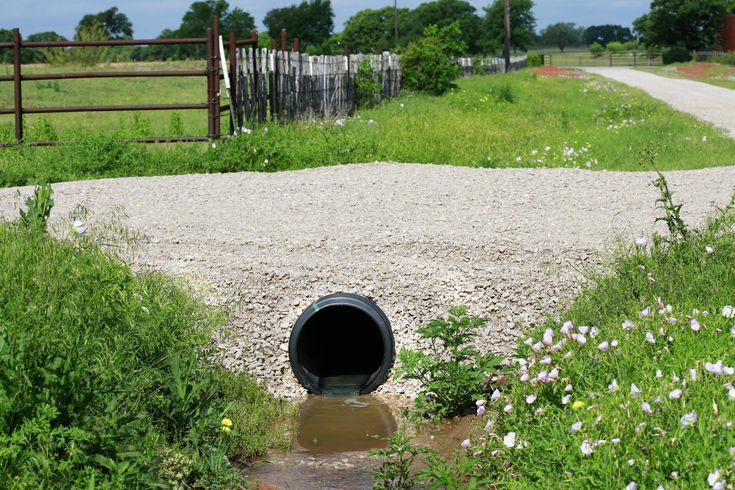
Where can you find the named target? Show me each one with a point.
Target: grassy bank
(514, 120)
(712, 73)
(105, 377)
(633, 386)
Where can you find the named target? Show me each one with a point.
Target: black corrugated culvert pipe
(341, 344)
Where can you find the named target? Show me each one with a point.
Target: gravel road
(417, 238)
(707, 102)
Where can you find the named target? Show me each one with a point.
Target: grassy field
(121, 91)
(712, 73)
(514, 120)
(106, 377)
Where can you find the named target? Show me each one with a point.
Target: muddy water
(330, 448)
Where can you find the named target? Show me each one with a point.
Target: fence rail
(212, 74)
(480, 66)
(606, 59)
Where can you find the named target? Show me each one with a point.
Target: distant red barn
(729, 36)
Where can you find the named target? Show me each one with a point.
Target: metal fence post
(210, 85)
(216, 62)
(17, 87)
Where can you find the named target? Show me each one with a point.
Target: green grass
(105, 377)
(657, 320)
(514, 120)
(119, 91)
(718, 75)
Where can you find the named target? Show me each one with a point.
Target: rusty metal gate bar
(212, 73)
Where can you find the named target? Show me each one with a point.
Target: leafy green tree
(239, 22)
(604, 34)
(6, 54)
(693, 24)
(442, 13)
(561, 34)
(311, 21)
(428, 64)
(369, 30)
(596, 49)
(117, 24)
(522, 25)
(34, 55)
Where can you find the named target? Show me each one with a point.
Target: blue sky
(150, 17)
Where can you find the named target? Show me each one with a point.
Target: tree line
(689, 24)
(312, 21)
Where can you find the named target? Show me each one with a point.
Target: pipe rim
(366, 306)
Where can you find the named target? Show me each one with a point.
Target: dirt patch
(552, 71)
(703, 70)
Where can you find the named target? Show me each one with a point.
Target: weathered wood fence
(288, 85)
(482, 66)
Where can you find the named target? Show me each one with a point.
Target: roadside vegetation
(631, 387)
(107, 378)
(719, 74)
(514, 120)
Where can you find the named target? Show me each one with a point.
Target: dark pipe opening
(341, 344)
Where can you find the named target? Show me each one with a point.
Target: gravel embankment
(709, 103)
(416, 238)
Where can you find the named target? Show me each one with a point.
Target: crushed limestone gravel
(511, 244)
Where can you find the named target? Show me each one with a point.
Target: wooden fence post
(235, 119)
(17, 86)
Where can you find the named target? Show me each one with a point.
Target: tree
(198, 18)
(693, 24)
(311, 21)
(428, 64)
(369, 30)
(522, 25)
(442, 13)
(116, 24)
(34, 55)
(604, 34)
(561, 34)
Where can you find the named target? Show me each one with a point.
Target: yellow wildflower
(578, 404)
(226, 422)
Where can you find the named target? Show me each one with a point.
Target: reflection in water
(330, 448)
(341, 424)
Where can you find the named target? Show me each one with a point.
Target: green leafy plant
(428, 64)
(672, 212)
(35, 218)
(398, 457)
(533, 60)
(453, 373)
(368, 84)
(596, 49)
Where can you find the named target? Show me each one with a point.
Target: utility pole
(506, 22)
(395, 22)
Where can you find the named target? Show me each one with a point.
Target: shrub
(677, 54)
(368, 85)
(615, 47)
(105, 375)
(596, 49)
(428, 64)
(452, 374)
(533, 59)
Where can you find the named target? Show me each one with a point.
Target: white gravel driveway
(707, 102)
(416, 238)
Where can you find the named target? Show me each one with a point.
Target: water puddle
(330, 446)
(334, 435)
